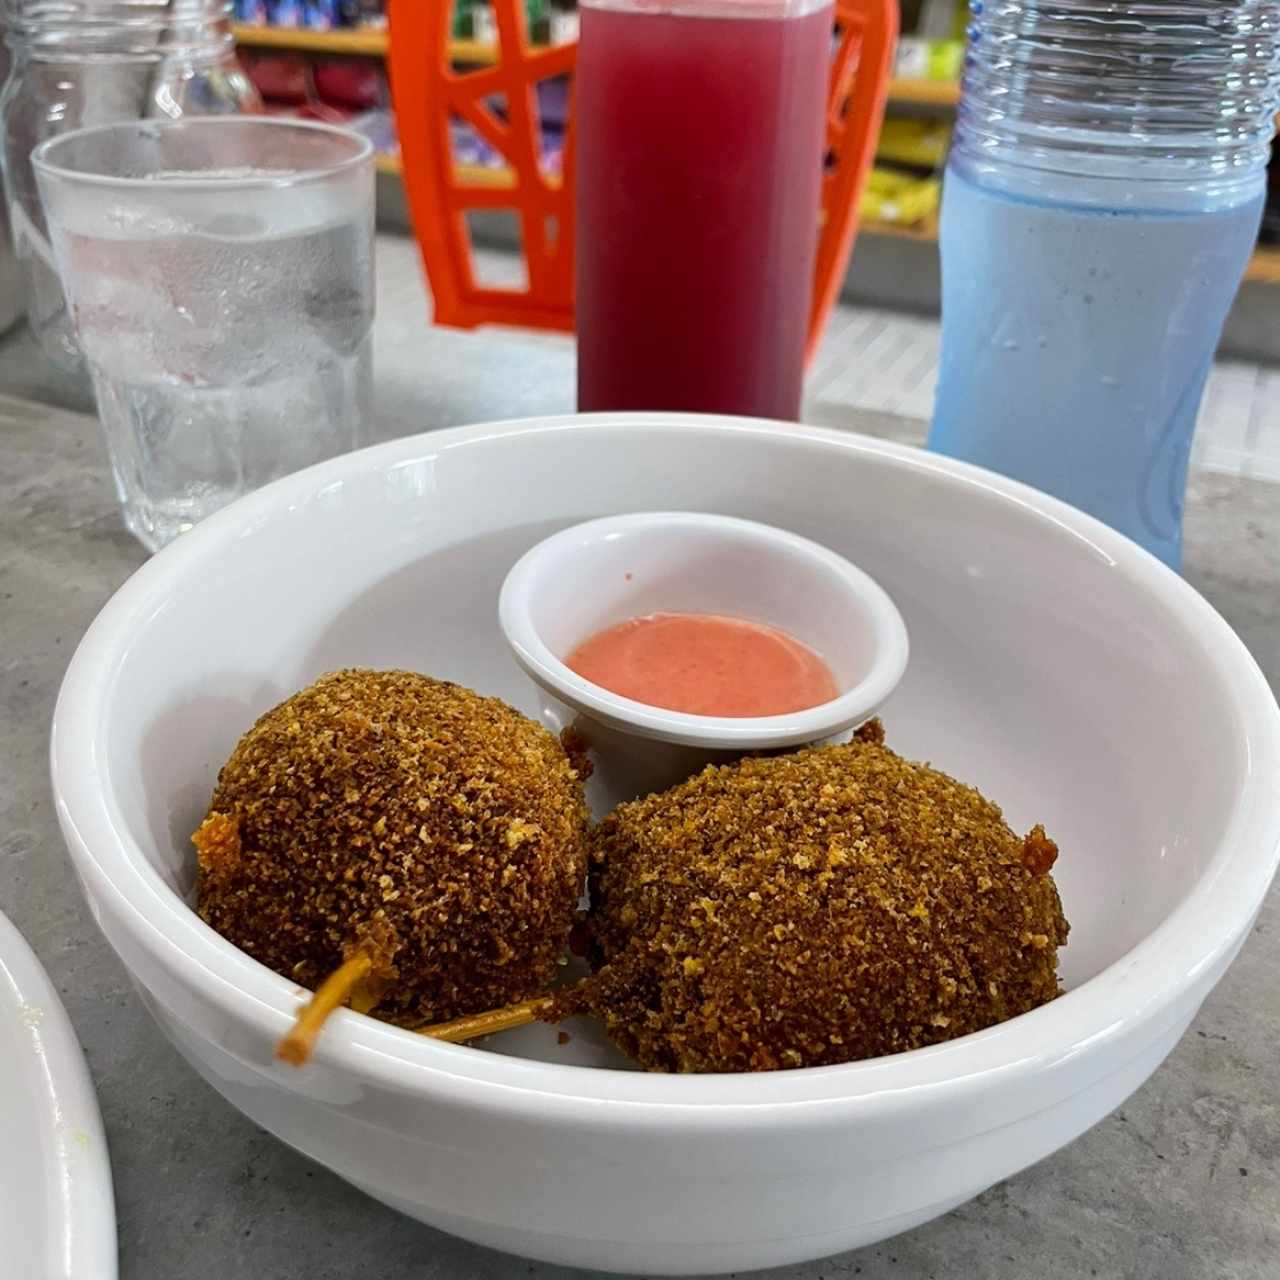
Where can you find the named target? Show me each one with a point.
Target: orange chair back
(430, 93)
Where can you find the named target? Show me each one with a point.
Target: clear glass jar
(86, 62)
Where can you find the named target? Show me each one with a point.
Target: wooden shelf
(475, 51)
(359, 41)
(926, 232)
(370, 43)
(480, 175)
(924, 93)
(1264, 266)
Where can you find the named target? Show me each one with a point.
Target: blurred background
(325, 59)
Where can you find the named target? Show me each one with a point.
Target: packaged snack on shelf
(283, 79)
(320, 15)
(472, 151)
(553, 102)
(361, 13)
(352, 84)
(563, 26)
(919, 59)
(899, 199)
(253, 12)
(285, 13)
(379, 126)
(484, 25)
(941, 19)
(922, 144)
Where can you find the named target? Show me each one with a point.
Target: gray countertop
(1183, 1183)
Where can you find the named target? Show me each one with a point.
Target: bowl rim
(551, 557)
(1184, 954)
(70, 1154)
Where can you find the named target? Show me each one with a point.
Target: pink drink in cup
(700, 145)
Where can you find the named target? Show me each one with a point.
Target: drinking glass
(219, 273)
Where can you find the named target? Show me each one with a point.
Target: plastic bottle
(1102, 200)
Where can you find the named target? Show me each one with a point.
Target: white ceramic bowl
(1054, 664)
(595, 575)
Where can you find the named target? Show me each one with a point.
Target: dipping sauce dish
(596, 575)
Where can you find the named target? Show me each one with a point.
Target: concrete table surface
(1183, 1183)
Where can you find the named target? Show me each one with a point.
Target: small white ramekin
(598, 574)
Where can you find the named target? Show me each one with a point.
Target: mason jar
(85, 62)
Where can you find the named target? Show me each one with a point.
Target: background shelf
(369, 43)
(359, 42)
(924, 93)
(936, 95)
(372, 43)
(1264, 268)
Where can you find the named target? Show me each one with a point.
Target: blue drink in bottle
(1102, 199)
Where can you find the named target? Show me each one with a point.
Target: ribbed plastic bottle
(1102, 200)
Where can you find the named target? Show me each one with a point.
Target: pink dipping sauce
(705, 664)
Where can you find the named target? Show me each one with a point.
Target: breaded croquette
(823, 906)
(438, 831)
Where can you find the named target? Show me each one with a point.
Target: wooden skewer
(341, 986)
(486, 1024)
(296, 1046)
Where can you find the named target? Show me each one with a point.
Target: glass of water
(220, 278)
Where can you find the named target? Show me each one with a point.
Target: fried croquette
(439, 832)
(819, 907)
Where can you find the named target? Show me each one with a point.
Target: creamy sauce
(705, 664)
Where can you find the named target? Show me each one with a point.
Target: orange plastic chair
(428, 92)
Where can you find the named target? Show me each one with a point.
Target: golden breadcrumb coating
(818, 907)
(439, 831)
